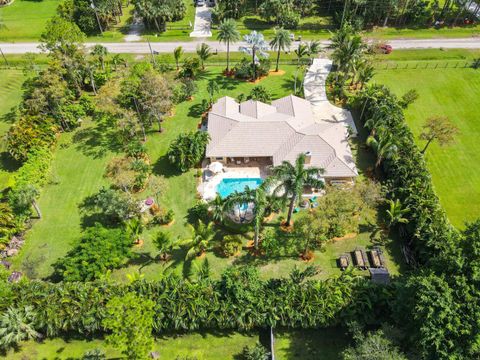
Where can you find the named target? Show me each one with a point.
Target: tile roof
(282, 130)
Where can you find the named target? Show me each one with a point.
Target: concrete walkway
(135, 30)
(203, 20)
(315, 92)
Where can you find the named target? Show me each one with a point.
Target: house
(255, 132)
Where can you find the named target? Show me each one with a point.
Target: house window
(219, 158)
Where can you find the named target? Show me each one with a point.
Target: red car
(386, 49)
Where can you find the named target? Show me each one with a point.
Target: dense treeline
(438, 306)
(239, 300)
(362, 13)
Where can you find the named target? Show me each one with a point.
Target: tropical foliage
(99, 250)
(187, 150)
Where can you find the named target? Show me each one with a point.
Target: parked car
(386, 49)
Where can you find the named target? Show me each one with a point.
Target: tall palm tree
(17, 325)
(301, 52)
(257, 197)
(256, 45)
(293, 178)
(202, 234)
(280, 42)
(100, 52)
(177, 54)
(212, 89)
(217, 207)
(203, 52)
(228, 33)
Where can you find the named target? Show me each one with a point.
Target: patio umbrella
(215, 167)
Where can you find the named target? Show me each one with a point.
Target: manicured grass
(428, 33)
(10, 95)
(325, 344)
(78, 172)
(201, 346)
(453, 93)
(25, 20)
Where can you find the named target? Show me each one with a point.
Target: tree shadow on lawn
(313, 344)
(195, 111)
(7, 163)
(97, 140)
(163, 167)
(10, 117)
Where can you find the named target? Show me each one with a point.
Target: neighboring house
(253, 131)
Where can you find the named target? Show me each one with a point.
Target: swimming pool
(229, 186)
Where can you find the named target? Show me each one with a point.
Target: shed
(380, 275)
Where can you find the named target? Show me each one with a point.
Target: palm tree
(17, 325)
(384, 146)
(228, 33)
(25, 196)
(280, 42)
(164, 244)
(257, 197)
(212, 89)
(177, 54)
(292, 180)
(203, 52)
(100, 52)
(202, 234)
(134, 228)
(217, 207)
(396, 212)
(301, 52)
(256, 45)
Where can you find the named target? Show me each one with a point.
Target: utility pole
(4, 58)
(151, 52)
(344, 11)
(92, 5)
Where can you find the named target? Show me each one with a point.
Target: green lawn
(201, 346)
(389, 33)
(324, 344)
(78, 170)
(25, 20)
(10, 96)
(454, 93)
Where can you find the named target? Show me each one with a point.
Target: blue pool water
(229, 186)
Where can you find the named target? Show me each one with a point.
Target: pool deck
(208, 187)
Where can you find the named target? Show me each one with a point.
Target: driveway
(203, 20)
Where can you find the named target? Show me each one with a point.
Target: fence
(422, 65)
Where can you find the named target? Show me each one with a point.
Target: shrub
(36, 169)
(189, 69)
(244, 69)
(30, 134)
(162, 216)
(260, 93)
(231, 244)
(256, 352)
(116, 206)
(100, 249)
(188, 149)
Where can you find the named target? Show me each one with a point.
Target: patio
(210, 181)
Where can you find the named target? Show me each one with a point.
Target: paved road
(166, 47)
